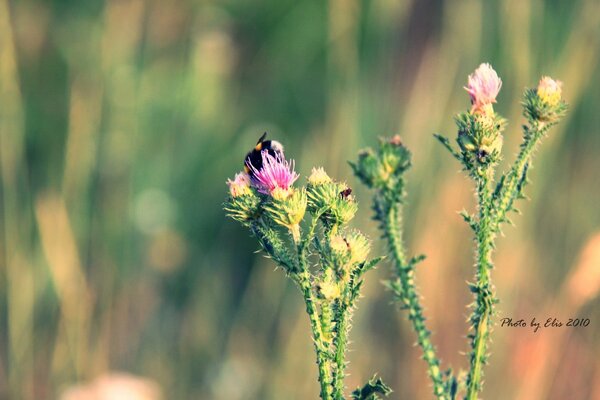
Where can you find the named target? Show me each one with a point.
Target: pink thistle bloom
(483, 87)
(276, 174)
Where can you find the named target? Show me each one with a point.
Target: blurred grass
(121, 120)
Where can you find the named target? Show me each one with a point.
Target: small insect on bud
(549, 91)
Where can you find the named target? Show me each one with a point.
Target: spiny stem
(303, 279)
(408, 293)
(480, 319)
(508, 191)
(340, 343)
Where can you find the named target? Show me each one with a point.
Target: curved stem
(405, 289)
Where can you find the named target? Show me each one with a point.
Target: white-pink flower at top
(483, 87)
(275, 174)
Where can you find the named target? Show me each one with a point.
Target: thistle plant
(479, 149)
(305, 231)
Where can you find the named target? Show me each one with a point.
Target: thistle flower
(483, 87)
(549, 91)
(240, 185)
(275, 177)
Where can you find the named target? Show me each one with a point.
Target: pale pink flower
(275, 174)
(483, 87)
(240, 185)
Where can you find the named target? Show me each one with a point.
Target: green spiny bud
(544, 103)
(480, 138)
(342, 209)
(243, 203)
(244, 208)
(322, 196)
(359, 247)
(339, 246)
(288, 211)
(318, 176)
(384, 168)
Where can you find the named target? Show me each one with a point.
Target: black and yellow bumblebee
(254, 156)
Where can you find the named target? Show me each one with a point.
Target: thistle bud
(240, 185)
(243, 204)
(359, 247)
(342, 210)
(383, 169)
(480, 138)
(549, 91)
(322, 191)
(318, 176)
(338, 245)
(288, 211)
(544, 103)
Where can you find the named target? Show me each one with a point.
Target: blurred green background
(121, 120)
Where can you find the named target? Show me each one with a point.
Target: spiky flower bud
(322, 191)
(338, 245)
(318, 176)
(240, 185)
(359, 247)
(243, 204)
(544, 103)
(383, 169)
(288, 211)
(549, 91)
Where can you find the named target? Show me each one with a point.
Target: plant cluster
(479, 140)
(305, 231)
(327, 260)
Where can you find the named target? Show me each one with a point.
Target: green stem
(340, 343)
(323, 358)
(408, 294)
(509, 189)
(480, 319)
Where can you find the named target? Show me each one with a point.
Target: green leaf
(371, 390)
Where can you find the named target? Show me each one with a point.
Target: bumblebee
(254, 156)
